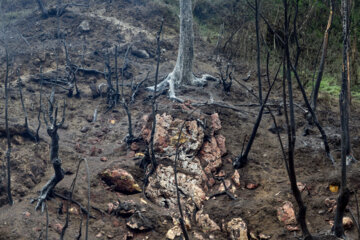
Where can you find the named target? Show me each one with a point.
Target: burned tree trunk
(52, 128)
(323, 57)
(301, 217)
(344, 195)
(8, 152)
(257, 3)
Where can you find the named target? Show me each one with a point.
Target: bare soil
(123, 23)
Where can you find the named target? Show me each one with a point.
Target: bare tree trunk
(323, 57)
(344, 195)
(257, 3)
(301, 217)
(8, 152)
(183, 70)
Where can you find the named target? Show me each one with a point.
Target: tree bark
(343, 198)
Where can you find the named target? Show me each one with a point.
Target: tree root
(172, 80)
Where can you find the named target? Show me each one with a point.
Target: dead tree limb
(26, 124)
(154, 105)
(40, 107)
(8, 152)
(226, 79)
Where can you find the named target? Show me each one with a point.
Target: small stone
(237, 229)
(173, 233)
(99, 235)
(131, 154)
(140, 53)
(84, 26)
(139, 222)
(321, 212)
(286, 214)
(115, 223)
(74, 210)
(110, 207)
(264, 236)
(58, 227)
(292, 228)
(301, 186)
(236, 178)
(27, 214)
(252, 186)
(348, 223)
(18, 140)
(84, 129)
(206, 224)
(103, 159)
(134, 146)
(215, 122)
(109, 236)
(253, 236)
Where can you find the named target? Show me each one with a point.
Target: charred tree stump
(52, 128)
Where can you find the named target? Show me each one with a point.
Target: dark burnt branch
(42, 8)
(313, 116)
(257, 3)
(226, 191)
(267, 23)
(117, 93)
(136, 89)
(72, 187)
(150, 153)
(71, 70)
(26, 124)
(301, 216)
(110, 91)
(8, 152)
(52, 128)
(344, 195)
(242, 159)
(181, 219)
(40, 108)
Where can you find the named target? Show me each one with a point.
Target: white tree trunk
(182, 73)
(183, 68)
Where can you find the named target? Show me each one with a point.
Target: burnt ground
(123, 23)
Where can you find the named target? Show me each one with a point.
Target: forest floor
(123, 23)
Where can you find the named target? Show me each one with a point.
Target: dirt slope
(123, 23)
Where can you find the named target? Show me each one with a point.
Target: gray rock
(140, 53)
(84, 26)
